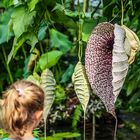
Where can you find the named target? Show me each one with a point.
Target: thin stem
(24, 52)
(7, 65)
(122, 12)
(93, 126)
(80, 34)
(85, 6)
(115, 131)
(45, 134)
(84, 125)
(41, 47)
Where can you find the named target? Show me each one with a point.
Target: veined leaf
(132, 43)
(22, 19)
(49, 59)
(81, 85)
(48, 84)
(33, 79)
(119, 61)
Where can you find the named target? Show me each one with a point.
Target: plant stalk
(122, 8)
(93, 126)
(7, 65)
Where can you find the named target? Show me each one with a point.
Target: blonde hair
(20, 101)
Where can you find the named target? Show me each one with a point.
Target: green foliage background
(39, 34)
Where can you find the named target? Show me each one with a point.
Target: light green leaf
(49, 59)
(5, 34)
(81, 85)
(59, 40)
(48, 84)
(33, 79)
(32, 4)
(67, 135)
(22, 19)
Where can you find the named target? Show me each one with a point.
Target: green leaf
(61, 18)
(59, 40)
(49, 59)
(15, 47)
(5, 34)
(22, 18)
(29, 37)
(31, 40)
(67, 135)
(32, 4)
(68, 73)
(42, 30)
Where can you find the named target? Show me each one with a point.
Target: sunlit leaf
(49, 59)
(66, 135)
(22, 19)
(32, 4)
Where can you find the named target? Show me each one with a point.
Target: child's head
(22, 107)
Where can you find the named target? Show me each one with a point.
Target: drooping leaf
(81, 85)
(30, 38)
(22, 19)
(5, 34)
(60, 41)
(119, 61)
(48, 84)
(15, 47)
(49, 59)
(32, 4)
(132, 43)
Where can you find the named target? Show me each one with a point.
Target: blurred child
(21, 110)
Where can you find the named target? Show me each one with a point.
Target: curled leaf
(48, 84)
(81, 85)
(132, 43)
(119, 61)
(98, 63)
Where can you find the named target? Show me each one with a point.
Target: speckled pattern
(98, 63)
